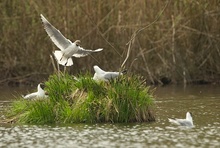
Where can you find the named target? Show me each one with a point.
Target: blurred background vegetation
(175, 41)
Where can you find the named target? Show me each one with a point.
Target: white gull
(101, 75)
(183, 122)
(67, 48)
(37, 95)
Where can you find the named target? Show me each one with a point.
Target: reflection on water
(109, 135)
(7, 94)
(172, 101)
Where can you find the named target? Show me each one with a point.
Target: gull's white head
(98, 70)
(95, 68)
(99, 73)
(189, 116)
(40, 87)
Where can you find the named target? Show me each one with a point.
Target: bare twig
(173, 39)
(198, 31)
(132, 63)
(53, 63)
(147, 68)
(20, 77)
(128, 53)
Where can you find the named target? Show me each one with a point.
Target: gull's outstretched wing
(55, 35)
(84, 52)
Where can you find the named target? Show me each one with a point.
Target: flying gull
(67, 48)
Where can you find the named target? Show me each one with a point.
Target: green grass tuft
(124, 99)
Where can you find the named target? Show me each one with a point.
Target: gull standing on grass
(37, 95)
(183, 122)
(67, 48)
(101, 75)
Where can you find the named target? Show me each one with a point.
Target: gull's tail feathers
(173, 121)
(62, 60)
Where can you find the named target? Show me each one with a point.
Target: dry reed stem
(128, 52)
(97, 27)
(53, 64)
(173, 39)
(157, 18)
(189, 41)
(147, 68)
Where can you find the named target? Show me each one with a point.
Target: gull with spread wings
(67, 48)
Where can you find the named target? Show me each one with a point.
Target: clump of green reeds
(79, 100)
(36, 111)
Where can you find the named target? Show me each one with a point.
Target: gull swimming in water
(101, 75)
(183, 122)
(67, 48)
(36, 95)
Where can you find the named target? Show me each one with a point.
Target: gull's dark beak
(124, 71)
(42, 85)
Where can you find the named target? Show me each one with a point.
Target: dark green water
(171, 101)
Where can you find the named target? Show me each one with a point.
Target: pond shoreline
(34, 79)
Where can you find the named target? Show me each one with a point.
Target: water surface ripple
(202, 101)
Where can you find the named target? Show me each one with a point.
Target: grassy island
(83, 100)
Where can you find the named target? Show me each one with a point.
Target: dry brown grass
(180, 43)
